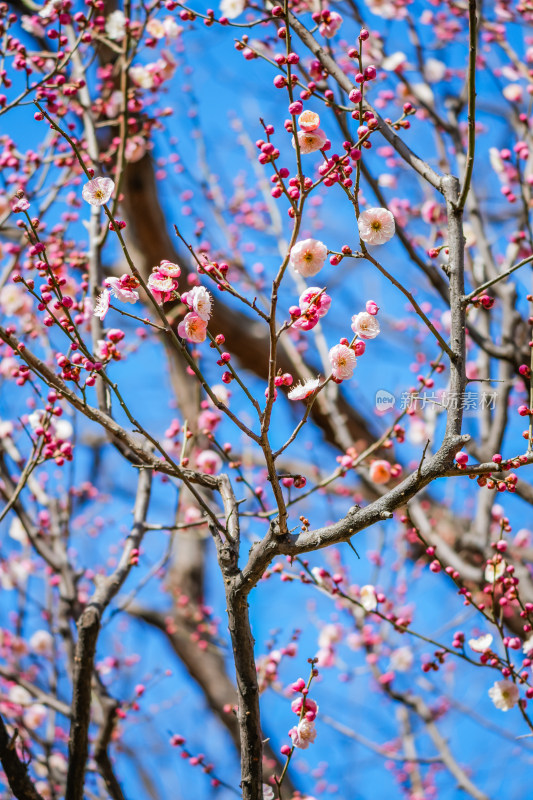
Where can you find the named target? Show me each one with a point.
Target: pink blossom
(123, 288)
(372, 308)
(20, 205)
(135, 149)
(199, 300)
(98, 191)
(101, 306)
(314, 304)
(315, 297)
(380, 471)
(331, 25)
(376, 225)
(311, 708)
(308, 256)
(433, 213)
(311, 141)
(209, 462)
(365, 325)
(309, 121)
(168, 268)
(304, 390)
(343, 361)
(303, 734)
(193, 328)
(307, 321)
(15, 301)
(163, 281)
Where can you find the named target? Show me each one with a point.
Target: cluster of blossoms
(123, 289)
(313, 304)
(194, 325)
(304, 733)
(311, 137)
(163, 281)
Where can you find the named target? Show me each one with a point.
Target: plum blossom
(480, 644)
(123, 288)
(172, 29)
(209, 462)
(232, 8)
(314, 303)
(15, 301)
(42, 643)
(311, 707)
(315, 297)
(342, 359)
(135, 148)
(376, 225)
(383, 8)
(304, 390)
(198, 299)
(19, 696)
(331, 24)
(115, 25)
(308, 256)
(368, 597)
(161, 284)
(222, 394)
(504, 695)
(268, 792)
(193, 328)
(102, 303)
(35, 716)
(380, 471)
(308, 121)
(365, 325)
(155, 28)
(98, 191)
(401, 659)
(303, 734)
(18, 532)
(494, 571)
(310, 141)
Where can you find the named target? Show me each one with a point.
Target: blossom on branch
(308, 257)
(376, 225)
(504, 695)
(98, 191)
(303, 734)
(199, 300)
(343, 361)
(304, 390)
(365, 325)
(193, 328)
(123, 288)
(310, 141)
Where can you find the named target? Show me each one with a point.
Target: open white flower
(376, 225)
(115, 25)
(480, 644)
(232, 8)
(368, 597)
(504, 695)
(304, 390)
(98, 191)
(494, 571)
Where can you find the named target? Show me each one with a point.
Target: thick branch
(16, 770)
